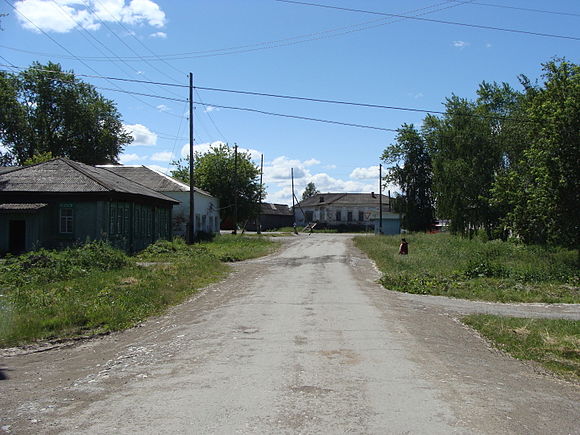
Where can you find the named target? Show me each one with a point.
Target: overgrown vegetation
(442, 264)
(554, 343)
(96, 288)
(504, 164)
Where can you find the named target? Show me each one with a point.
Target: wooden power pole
(380, 199)
(191, 232)
(259, 221)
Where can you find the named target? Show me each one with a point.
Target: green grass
(442, 264)
(554, 343)
(93, 289)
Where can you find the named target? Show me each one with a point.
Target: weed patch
(554, 343)
(95, 288)
(441, 264)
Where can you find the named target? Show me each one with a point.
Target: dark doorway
(17, 235)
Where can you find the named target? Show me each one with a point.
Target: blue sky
(281, 48)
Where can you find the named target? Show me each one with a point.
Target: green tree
(215, 173)
(465, 158)
(46, 109)
(411, 171)
(541, 189)
(310, 191)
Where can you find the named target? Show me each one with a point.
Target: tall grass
(441, 264)
(555, 343)
(95, 288)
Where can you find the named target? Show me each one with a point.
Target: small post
(259, 220)
(380, 199)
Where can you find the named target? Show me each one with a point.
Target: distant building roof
(275, 209)
(66, 176)
(150, 178)
(337, 199)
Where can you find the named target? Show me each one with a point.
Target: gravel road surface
(302, 341)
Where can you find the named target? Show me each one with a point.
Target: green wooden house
(60, 203)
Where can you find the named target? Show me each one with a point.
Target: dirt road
(303, 341)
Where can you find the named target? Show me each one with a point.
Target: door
(17, 236)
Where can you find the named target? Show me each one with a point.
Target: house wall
(207, 216)
(127, 225)
(328, 215)
(270, 222)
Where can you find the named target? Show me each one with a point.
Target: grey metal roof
(66, 176)
(22, 207)
(275, 209)
(8, 168)
(346, 199)
(150, 178)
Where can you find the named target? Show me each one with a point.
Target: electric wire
(262, 45)
(430, 20)
(543, 11)
(70, 52)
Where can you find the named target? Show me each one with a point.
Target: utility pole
(235, 189)
(259, 223)
(380, 199)
(191, 232)
(293, 203)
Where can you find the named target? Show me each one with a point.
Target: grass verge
(441, 264)
(554, 343)
(95, 288)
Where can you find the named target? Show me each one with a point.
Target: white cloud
(163, 156)
(163, 108)
(460, 44)
(129, 158)
(211, 109)
(488, 45)
(161, 35)
(141, 135)
(369, 173)
(62, 16)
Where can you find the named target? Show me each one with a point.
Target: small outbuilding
(61, 202)
(272, 216)
(207, 216)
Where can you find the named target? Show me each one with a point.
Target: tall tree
(47, 109)
(541, 188)
(215, 173)
(465, 159)
(411, 170)
(310, 191)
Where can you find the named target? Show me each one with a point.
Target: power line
(306, 118)
(281, 96)
(454, 23)
(70, 52)
(542, 11)
(339, 31)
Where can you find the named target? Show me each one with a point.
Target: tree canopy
(48, 110)
(506, 163)
(310, 191)
(215, 172)
(414, 177)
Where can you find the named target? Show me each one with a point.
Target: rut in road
(303, 341)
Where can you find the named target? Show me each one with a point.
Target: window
(338, 215)
(309, 215)
(361, 216)
(349, 216)
(113, 215)
(66, 220)
(204, 222)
